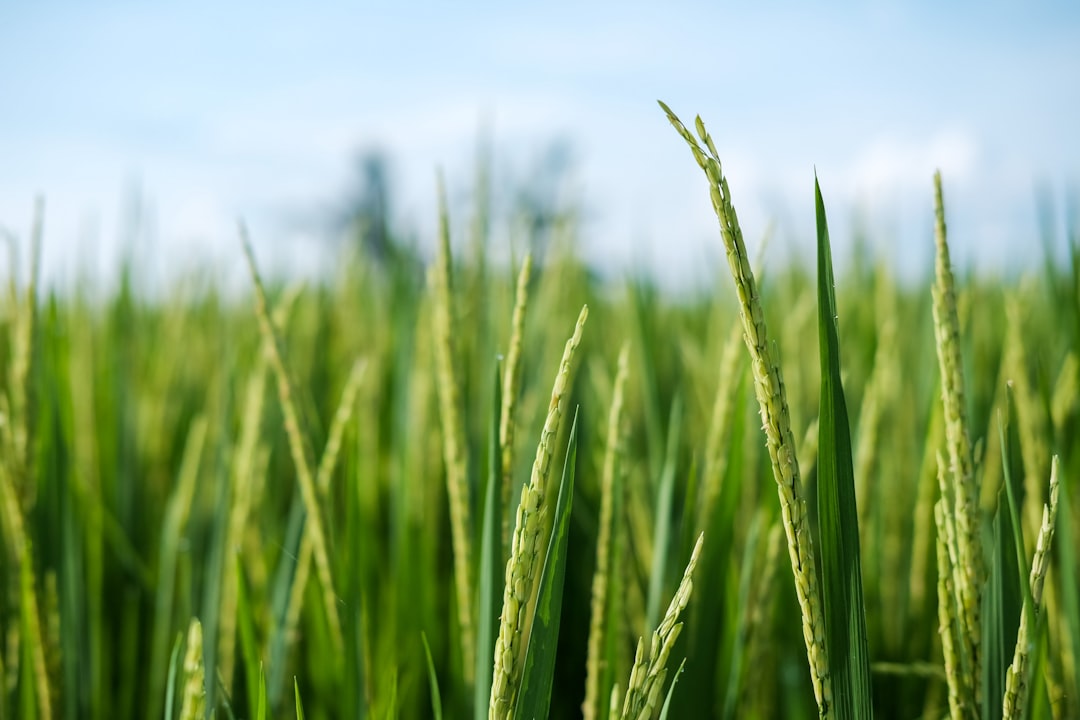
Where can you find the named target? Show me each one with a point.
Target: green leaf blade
(433, 681)
(491, 563)
(845, 614)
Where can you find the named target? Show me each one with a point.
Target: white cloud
(890, 164)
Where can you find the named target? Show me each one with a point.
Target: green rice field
(448, 487)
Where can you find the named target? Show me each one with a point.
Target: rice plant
(532, 490)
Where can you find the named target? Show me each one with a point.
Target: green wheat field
(460, 489)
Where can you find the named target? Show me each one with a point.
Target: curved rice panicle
(772, 400)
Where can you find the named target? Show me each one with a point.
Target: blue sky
(257, 112)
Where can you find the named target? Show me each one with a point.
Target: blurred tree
(368, 204)
(544, 202)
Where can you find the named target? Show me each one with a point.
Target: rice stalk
(772, 400)
(511, 379)
(325, 472)
(329, 461)
(20, 555)
(875, 400)
(300, 451)
(964, 507)
(949, 535)
(453, 434)
(521, 568)
(1016, 680)
(177, 514)
(955, 678)
(243, 466)
(604, 541)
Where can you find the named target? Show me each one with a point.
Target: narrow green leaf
(845, 615)
(392, 704)
(224, 702)
(281, 589)
(249, 651)
(1000, 610)
(214, 559)
(170, 685)
(671, 691)
(1067, 568)
(491, 563)
(713, 626)
(1012, 494)
(299, 705)
(662, 529)
(260, 712)
(538, 672)
(433, 681)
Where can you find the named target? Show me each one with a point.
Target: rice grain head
(969, 561)
(453, 433)
(1016, 678)
(525, 547)
(648, 675)
(772, 401)
(948, 623)
(591, 706)
(511, 379)
(193, 704)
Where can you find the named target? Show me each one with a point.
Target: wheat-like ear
(300, 450)
(453, 433)
(525, 559)
(962, 516)
(511, 378)
(948, 620)
(772, 401)
(193, 704)
(648, 674)
(1016, 680)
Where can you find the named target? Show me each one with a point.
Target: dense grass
(191, 457)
